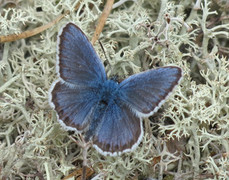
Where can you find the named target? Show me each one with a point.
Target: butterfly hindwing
(74, 106)
(120, 130)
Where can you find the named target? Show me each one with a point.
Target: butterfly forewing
(78, 62)
(145, 92)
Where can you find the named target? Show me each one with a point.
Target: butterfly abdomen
(107, 98)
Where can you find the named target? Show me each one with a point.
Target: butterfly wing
(145, 92)
(81, 74)
(74, 106)
(120, 130)
(78, 62)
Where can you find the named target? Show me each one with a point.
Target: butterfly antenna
(106, 61)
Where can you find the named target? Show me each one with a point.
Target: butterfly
(107, 112)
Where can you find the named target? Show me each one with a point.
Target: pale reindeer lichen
(187, 139)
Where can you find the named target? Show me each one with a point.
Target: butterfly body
(108, 96)
(108, 92)
(109, 113)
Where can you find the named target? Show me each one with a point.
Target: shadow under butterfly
(109, 113)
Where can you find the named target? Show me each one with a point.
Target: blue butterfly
(109, 113)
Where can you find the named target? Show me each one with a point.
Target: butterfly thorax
(107, 96)
(108, 92)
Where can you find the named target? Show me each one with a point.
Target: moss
(188, 138)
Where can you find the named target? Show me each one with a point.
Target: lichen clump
(188, 138)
